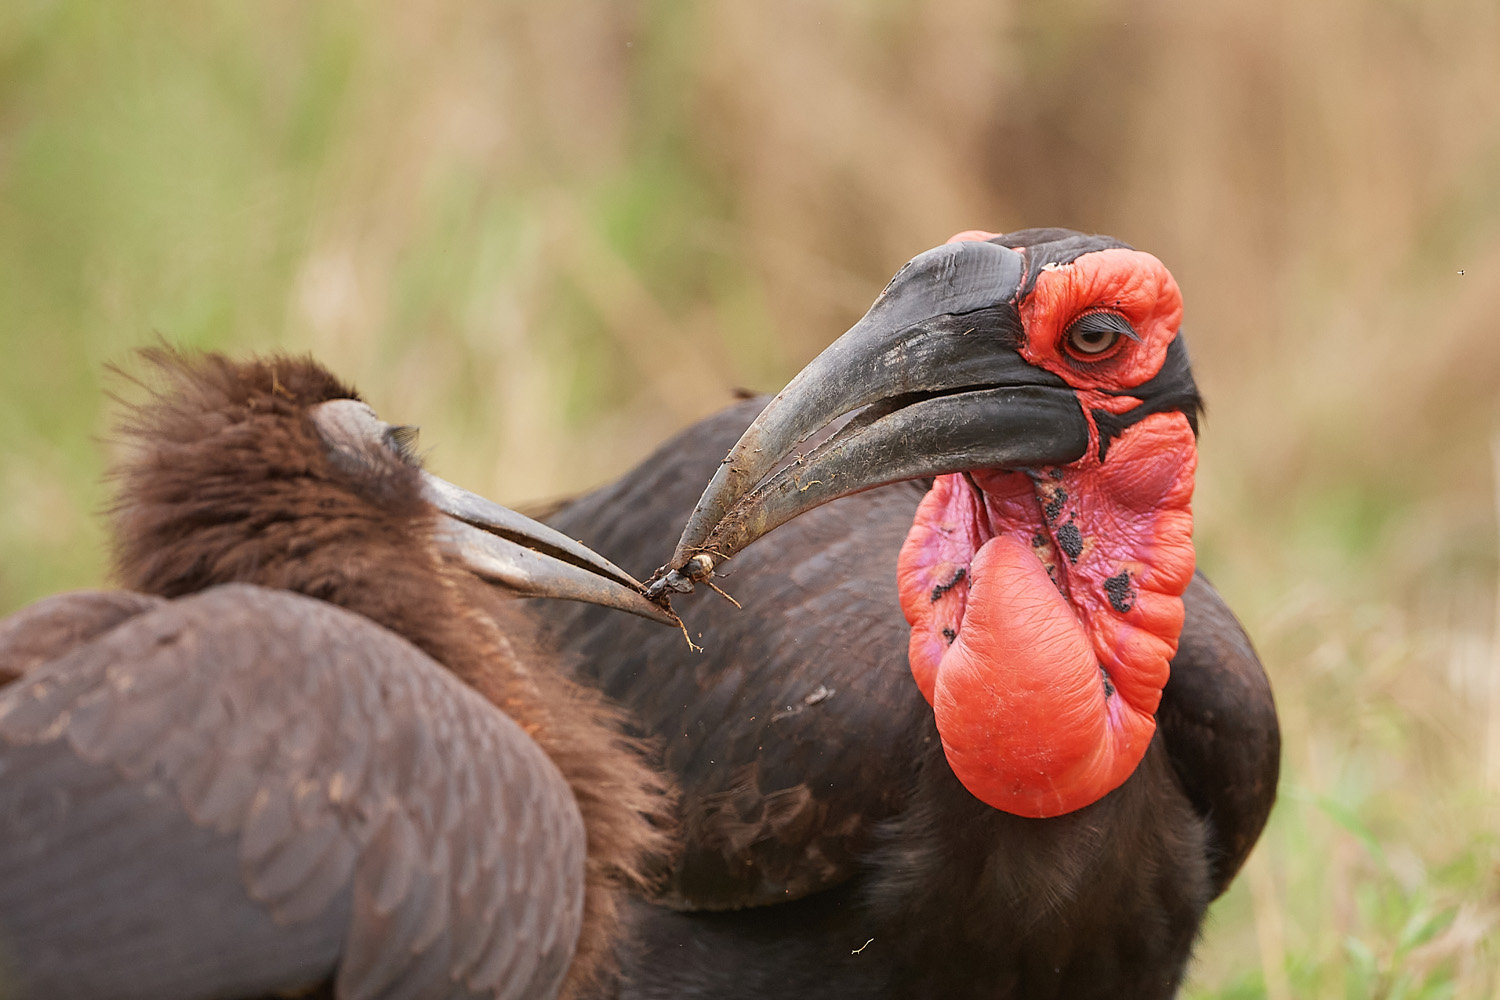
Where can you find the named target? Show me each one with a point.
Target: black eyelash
(1104, 320)
(402, 439)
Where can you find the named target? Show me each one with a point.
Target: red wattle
(932, 577)
(1045, 611)
(1026, 718)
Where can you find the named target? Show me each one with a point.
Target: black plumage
(811, 771)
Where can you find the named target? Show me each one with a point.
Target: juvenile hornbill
(1090, 747)
(296, 755)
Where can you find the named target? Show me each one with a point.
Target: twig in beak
(721, 593)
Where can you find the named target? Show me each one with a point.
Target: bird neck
(972, 893)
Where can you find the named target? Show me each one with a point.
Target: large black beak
(528, 557)
(934, 363)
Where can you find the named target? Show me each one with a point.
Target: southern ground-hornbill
(1047, 811)
(296, 755)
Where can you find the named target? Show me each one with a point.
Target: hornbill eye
(1093, 335)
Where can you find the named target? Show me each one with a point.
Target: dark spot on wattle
(1109, 687)
(950, 635)
(942, 588)
(1070, 540)
(1055, 505)
(1121, 593)
(1055, 473)
(1038, 540)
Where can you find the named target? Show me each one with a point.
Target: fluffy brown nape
(628, 805)
(226, 479)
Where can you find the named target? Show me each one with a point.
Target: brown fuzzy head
(228, 479)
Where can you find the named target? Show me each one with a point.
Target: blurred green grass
(554, 233)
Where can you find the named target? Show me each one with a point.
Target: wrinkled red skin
(1045, 614)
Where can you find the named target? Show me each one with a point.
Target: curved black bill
(1007, 426)
(934, 362)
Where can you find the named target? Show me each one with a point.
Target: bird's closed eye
(402, 439)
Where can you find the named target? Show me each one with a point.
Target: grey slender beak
(495, 542)
(934, 363)
(528, 557)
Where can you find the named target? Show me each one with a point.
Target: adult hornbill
(1048, 810)
(296, 754)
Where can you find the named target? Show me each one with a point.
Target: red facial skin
(1044, 614)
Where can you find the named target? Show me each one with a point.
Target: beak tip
(666, 616)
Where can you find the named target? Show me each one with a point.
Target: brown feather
(226, 480)
(48, 629)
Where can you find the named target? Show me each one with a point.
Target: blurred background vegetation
(552, 233)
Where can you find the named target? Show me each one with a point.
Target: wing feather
(50, 627)
(245, 790)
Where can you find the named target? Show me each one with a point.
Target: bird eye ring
(1093, 336)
